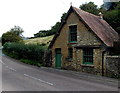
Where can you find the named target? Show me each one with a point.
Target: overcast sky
(34, 15)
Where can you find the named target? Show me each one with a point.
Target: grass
(10, 55)
(40, 40)
(45, 41)
(35, 63)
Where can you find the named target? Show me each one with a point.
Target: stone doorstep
(84, 75)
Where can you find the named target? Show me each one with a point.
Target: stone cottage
(82, 41)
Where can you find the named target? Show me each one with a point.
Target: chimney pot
(100, 15)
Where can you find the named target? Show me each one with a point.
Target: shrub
(25, 51)
(31, 62)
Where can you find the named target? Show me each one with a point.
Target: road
(17, 76)
(0, 69)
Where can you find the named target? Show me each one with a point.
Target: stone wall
(96, 67)
(113, 66)
(85, 37)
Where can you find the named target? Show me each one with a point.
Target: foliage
(52, 31)
(41, 33)
(22, 51)
(90, 7)
(44, 33)
(113, 19)
(111, 12)
(14, 35)
(35, 63)
(116, 49)
(63, 16)
(17, 30)
(10, 37)
(112, 16)
(112, 5)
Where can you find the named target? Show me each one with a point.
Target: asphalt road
(17, 76)
(0, 70)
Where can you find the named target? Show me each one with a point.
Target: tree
(17, 30)
(41, 33)
(63, 16)
(52, 31)
(110, 11)
(14, 35)
(54, 28)
(90, 7)
(112, 16)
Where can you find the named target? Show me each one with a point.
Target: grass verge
(35, 63)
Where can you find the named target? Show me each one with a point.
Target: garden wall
(113, 66)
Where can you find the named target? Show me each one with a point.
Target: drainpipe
(103, 62)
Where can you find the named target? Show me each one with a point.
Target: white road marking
(11, 68)
(38, 79)
(2, 62)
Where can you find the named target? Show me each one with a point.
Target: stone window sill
(72, 42)
(87, 65)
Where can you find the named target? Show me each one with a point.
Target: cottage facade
(82, 41)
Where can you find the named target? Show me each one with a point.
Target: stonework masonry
(84, 37)
(113, 66)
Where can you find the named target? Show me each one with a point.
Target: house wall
(96, 68)
(84, 37)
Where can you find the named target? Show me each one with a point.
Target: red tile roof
(99, 26)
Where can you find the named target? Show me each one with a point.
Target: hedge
(25, 51)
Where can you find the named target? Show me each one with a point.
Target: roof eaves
(109, 43)
(85, 23)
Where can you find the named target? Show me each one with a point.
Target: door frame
(58, 53)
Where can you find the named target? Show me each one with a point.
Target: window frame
(70, 53)
(88, 54)
(73, 33)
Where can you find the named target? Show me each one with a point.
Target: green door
(58, 58)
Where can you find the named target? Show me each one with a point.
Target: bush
(24, 51)
(35, 63)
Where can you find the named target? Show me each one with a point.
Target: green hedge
(31, 52)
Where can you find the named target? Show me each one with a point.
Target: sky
(34, 15)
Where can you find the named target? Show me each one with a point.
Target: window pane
(73, 33)
(70, 52)
(88, 56)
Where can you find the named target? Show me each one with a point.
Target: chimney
(100, 15)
